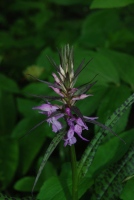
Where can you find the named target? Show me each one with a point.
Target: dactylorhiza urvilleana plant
(66, 119)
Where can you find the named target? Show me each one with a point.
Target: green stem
(74, 173)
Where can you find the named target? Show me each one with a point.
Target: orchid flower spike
(64, 81)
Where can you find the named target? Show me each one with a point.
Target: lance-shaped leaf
(80, 68)
(104, 128)
(88, 155)
(58, 137)
(50, 98)
(33, 128)
(90, 151)
(84, 88)
(77, 112)
(70, 60)
(48, 83)
(109, 183)
(76, 73)
(119, 112)
(58, 112)
(53, 63)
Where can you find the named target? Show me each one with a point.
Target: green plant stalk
(74, 173)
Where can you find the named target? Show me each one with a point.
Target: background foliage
(98, 29)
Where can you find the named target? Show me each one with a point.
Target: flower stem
(74, 173)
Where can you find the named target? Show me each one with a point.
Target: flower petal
(81, 123)
(56, 125)
(57, 90)
(70, 141)
(78, 130)
(46, 107)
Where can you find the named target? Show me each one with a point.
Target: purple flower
(81, 123)
(46, 108)
(70, 139)
(76, 126)
(56, 125)
(64, 81)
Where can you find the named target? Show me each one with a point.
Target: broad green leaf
(108, 184)
(31, 144)
(9, 156)
(100, 65)
(48, 171)
(52, 189)
(124, 63)
(115, 150)
(35, 88)
(8, 84)
(48, 152)
(66, 180)
(121, 39)
(99, 27)
(60, 189)
(25, 184)
(85, 184)
(25, 106)
(110, 4)
(112, 100)
(8, 112)
(128, 191)
(89, 105)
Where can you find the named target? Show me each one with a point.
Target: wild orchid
(65, 80)
(65, 117)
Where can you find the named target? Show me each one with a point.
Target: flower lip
(56, 125)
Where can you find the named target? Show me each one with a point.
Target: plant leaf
(115, 151)
(9, 158)
(25, 106)
(30, 146)
(50, 98)
(77, 112)
(52, 189)
(48, 83)
(49, 151)
(111, 179)
(8, 113)
(100, 65)
(84, 88)
(8, 84)
(106, 108)
(80, 68)
(110, 4)
(128, 191)
(90, 151)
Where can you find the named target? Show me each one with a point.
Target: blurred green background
(30, 30)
